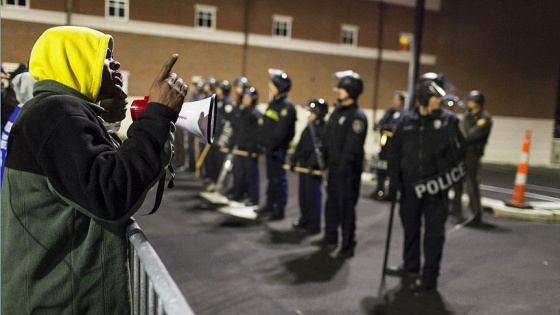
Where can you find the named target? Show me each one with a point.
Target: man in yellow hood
(67, 190)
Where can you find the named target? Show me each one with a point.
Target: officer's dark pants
(456, 202)
(277, 191)
(472, 165)
(213, 163)
(343, 191)
(246, 179)
(434, 209)
(310, 201)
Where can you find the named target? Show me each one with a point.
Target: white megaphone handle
(199, 118)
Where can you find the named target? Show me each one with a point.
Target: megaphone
(198, 117)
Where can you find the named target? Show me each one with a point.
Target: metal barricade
(153, 289)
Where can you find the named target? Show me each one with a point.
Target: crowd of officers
(427, 151)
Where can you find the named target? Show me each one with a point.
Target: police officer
(247, 124)
(344, 153)
(223, 132)
(386, 126)
(423, 163)
(308, 155)
(476, 126)
(240, 85)
(224, 112)
(207, 89)
(279, 127)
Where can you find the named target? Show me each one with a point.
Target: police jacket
(477, 130)
(246, 128)
(424, 147)
(224, 115)
(224, 111)
(345, 136)
(386, 126)
(389, 120)
(305, 153)
(279, 124)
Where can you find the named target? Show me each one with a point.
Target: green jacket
(66, 197)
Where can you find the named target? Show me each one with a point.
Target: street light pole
(415, 56)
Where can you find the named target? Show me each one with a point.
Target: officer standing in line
(247, 124)
(476, 126)
(279, 126)
(308, 154)
(224, 109)
(424, 161)
(240, 85)
(208, 87)
(344, 153)
(385, 126)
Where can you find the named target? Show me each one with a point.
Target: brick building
(509, 52)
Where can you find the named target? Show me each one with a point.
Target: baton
(236, 151)
(299, 169)
(387, 243)
(201, 159)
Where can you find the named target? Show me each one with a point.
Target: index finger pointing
(166, 69)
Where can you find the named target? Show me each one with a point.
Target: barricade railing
(153, 289)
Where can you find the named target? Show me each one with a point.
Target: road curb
(539, 211)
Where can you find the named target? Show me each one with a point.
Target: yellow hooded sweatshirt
(73, 56)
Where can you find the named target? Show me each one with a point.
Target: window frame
(118, 3)
(276, 20)
(16, 5)
(408, 46)
(349, 29)
(211, 11)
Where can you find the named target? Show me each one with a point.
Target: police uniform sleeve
(354, 141)
(480, 130)
(457, 140)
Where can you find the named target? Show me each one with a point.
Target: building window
(405, 40)
(282, 26)
(116, 9)
(349, 35)
(205, 16)
(16, 3)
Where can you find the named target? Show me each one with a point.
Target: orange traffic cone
(518, 199)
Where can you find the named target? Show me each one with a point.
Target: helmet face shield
(435, 84)
(439, 79)
(437, 90)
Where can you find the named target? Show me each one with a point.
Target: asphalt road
(225, 265)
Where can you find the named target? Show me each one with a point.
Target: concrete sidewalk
(536, 210)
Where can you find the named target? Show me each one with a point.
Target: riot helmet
(224, 86)
(475, 96)
(242, 82)
(319, 107)
(281, 80)
(439, 79)
(351, 82)
(210, 82)
(252, 93)
(432, 84)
